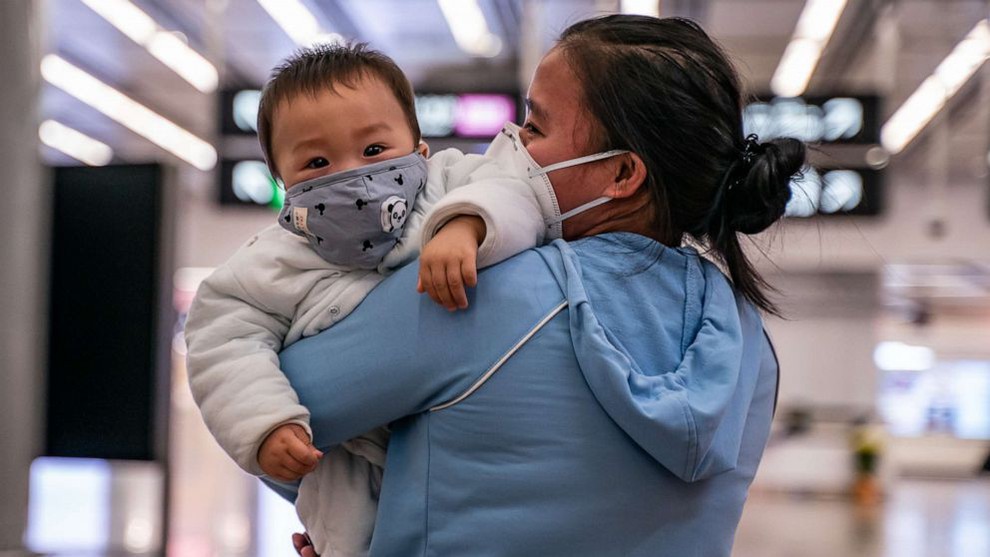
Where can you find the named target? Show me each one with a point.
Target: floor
(918, 518)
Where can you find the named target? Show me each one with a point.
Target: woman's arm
(400, 354)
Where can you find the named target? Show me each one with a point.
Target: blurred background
(132, 169)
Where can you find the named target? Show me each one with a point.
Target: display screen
(102, 398)
(456, 115)
(825, 191)
(820, 120)
(470, 116)
(249, 183)
(239, 112)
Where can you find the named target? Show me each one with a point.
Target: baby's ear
(423, 148)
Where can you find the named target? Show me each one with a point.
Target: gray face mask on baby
(355, 217)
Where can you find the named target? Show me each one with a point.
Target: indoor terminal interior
(133, 170)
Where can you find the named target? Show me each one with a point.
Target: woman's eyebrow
(535, 109)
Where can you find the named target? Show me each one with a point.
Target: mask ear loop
(580, 209)
(574, 162)
(577, 161)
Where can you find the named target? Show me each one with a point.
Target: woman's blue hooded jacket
(607, 396)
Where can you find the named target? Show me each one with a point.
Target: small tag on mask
(299, 217)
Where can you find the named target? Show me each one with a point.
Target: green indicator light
(278, 196)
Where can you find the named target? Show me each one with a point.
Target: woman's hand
(449, 262)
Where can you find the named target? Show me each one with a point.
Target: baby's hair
(321, 68)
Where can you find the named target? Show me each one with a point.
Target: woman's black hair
(664, 90)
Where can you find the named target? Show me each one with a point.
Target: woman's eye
(528, 126)
(373, 150)
(318, 162)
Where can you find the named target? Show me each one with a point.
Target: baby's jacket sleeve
(237, 324)
(476, 185)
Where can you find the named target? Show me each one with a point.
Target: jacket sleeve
(396, 354)
(436, 187)
(478, 186)
(232, 340)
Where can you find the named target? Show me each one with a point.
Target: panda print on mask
(393, 213)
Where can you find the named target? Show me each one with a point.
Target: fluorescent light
(126, 17)
(795, 69)
(128, 112)
(467, 24)
(186, 62)
(640, 7)
(298, 22)
(897, 356)
(162, 44)
(813, 31)
(933, 93)
(77, 145)
(818, 19)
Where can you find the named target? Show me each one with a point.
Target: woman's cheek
(538, 152)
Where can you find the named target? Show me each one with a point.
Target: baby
(338, 128)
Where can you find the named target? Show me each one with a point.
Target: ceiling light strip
(166, 46)
(640, 7)
(128, 112)
(937, 89)
(814, 29)
(298, 22)
(470, 29)
(75, 144)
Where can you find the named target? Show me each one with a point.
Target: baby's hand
(287, 454)
(448, 262)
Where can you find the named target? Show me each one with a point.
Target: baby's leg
(338, 502)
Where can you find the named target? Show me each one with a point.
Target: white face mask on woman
(508, 151)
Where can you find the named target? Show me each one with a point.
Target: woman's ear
(630, 175)
(423, 148)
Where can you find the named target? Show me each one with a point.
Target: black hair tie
(751, 149)
(734, 176)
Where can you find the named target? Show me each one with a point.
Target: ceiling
(244, 43)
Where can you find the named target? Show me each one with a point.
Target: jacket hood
(680, 396)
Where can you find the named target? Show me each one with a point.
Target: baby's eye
(373, 150)
(318, 162)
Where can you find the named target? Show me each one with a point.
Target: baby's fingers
(426, 282)
(302, 452)
(285, 474)
(455, 284)
(469, 270)
(441, 289)
(293, 466)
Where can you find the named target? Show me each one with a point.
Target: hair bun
(761, 197)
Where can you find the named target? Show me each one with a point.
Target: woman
(610, 394)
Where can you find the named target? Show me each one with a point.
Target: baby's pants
(338, 501)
